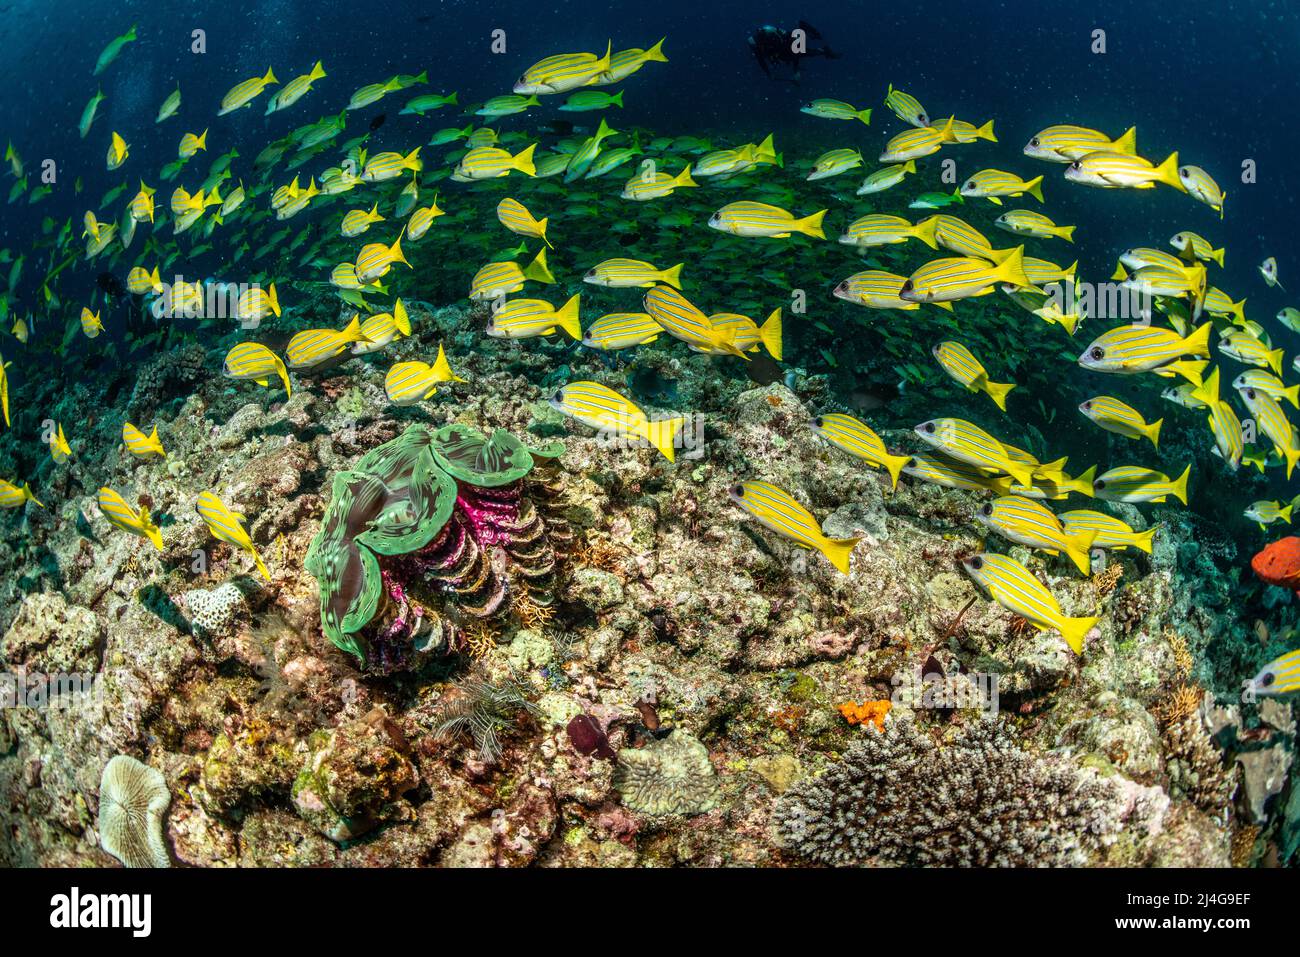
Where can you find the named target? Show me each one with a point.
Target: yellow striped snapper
(992, 184)
(950, 473)
(390, 165)
(835, 110)
(252, 360)
(136, 521)
(373, 93)
(357, 221)
(1266, 513)
(1041, 272)
(778, 510)
(1281, 676)
(489, 162)
(411, 382)
(375, 259)
(1109, 531)
(587, 152)
(11, 496)
(563, 72)
(1201, 186)
(242, 94)
(1289, 316)
(1013, 586)
(1121, 418)
(142, 204)
(1134, 348)
(60, 451)
(907, 107)
(856, 437)
(295, 89)
(1262, 381)
(621, 330)
(963, 132)
(90, 323)
(760, 219)
(281, 195)
(960, 364)
(648, 185)
(430, 101)
(834, 162)
(629, 273)
(1219, 303)
(1044, 306)
(169, 106)
(516, 218)
(256, 303)
(500, 279)
(1181, 282)
(382, 328)
(140, 445)
(1118, 170)
(228, 526)
(140, 281)
(1271, 419)
(1133, 484)
(885, 178)
(314, 348)
(681, 319)
(191, 144)
(1193, 246)
(880, 229)
(958, 236)
(1026, 522)
(507, 105)
(297, 204)
(118, 151)
(915, 143)
(483, 136)
(727, 162)
(344, 276)
(626, 62)
(1064, 144)
(526, 318)
(967, 442)
(95, 246)
(1026, 222)
(745, 334)
(606, 411)
(421, 220)
(944, 280)
(1141, 257)
(1242, 346)
(337, 180)
(878, 290)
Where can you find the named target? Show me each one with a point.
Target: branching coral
(897, 797)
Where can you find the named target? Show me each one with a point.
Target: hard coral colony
(406, 559)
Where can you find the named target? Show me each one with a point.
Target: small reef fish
(242, 94)
(563, 72)
(960, 364)
(835, 110)
(382, 328)
(945, 280)
(1026, 522)
(1131, 349)
(252, 360)
(1015, 588)
(618, 417)
(60, 451)
(1134, 484)
(1026, 222)
(779, 511)
(1266, 513)
(376, 259)
(906, 107)
(1119, 170)
(630, 273)
(409, 382)
(12, 496)
(1065, 144)
(1200, 185)
(496, 280)
(856, 437)
(140, 445)
(1121, 418)
(1280, 676)
(137, 521)
(621, 330)
(516, 218)
(760, 219)
(967, 442)
(228, 526)
(527, 318)
(993, 184)
(314, 348)
(1109, 531)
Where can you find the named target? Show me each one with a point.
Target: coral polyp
(426, 532)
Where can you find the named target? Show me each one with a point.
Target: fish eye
(558, 397)
(818, 422)
(1183, 172)
(738, 491)
(987, 509)
(929, 427)
(1267, 680)
(1250, 393)
(970, 184)
(1034, 141)
(1097, 352)
(907, 286)
(1099, 484)
(1076, 165)
(976, 563)
(1088, 404)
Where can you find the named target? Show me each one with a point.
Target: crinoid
(482, 710)
(598, 552)
(422, 535)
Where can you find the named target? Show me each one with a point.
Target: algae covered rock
(53, 637)
(355, 777)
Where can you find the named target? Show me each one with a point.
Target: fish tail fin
(317, 72)
(656, 52)
(269, 78)
(202, 141)
(1079, 549)
(567, 317)
(401, 318)
(1074, 630)
(1066, 233)
(1142, 540)
(1285, 512)
(662, 434)
(1167, 172)
(396, 249)
(284, 377)
(1217, 256)
(767, 148)
(1128, 142)
(1035, 188)
(894, 466)
(1012, 269)
(156, 443)
(909, 166)
(1275, 361)
(538, 270)
(839, 551)
(523, 161)
(1238, 310)
(1292, 456)
(352, 331)
(603, 62)
(412, 160)
(261, 565)
(985, 132)
(770, 333)
(997, 391)
(1292, 395)
(1120, 273)
(27, 494)
(684, 178)
(273, 298)
(812, 225)
(925, 231)
(864, 115)
(1152, 432)
(541, 230)
(617, 99)
(1180, 484)
(673, 277)
(150, 530)
(1208, 390)
(1198, 343)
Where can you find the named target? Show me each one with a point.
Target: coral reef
(133, 798)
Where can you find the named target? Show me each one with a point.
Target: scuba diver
(773, 46)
